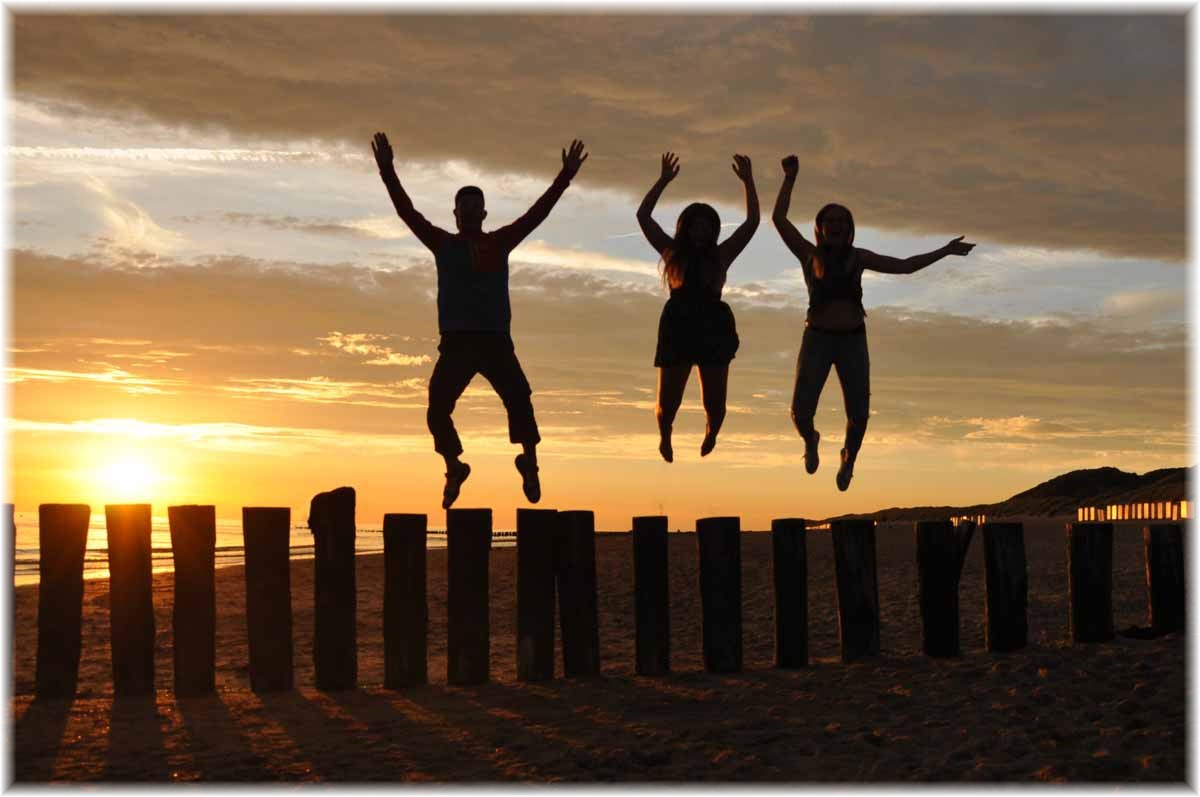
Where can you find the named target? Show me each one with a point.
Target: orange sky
(212, 301)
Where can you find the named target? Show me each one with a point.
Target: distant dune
(1062, 494)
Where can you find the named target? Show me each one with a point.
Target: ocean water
(229, 550)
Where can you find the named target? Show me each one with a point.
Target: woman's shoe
(454, 481)
(845, 473)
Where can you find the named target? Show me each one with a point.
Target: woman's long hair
(682, 252)
(826, 253)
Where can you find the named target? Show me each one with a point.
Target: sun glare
(127, 479)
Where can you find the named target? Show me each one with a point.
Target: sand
(1052, 712)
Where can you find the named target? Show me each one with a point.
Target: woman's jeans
(847, 351)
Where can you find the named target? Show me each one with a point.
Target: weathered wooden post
(578, 605)
(266, 532)
(468, 632)
(719, 539)
(857, 587)
(1089, 574)
(790, 569)
(194, 616)
(1007, 584)
(535, 593)
(405, 604)
(941, 551)
(651, 599)
(335, 637)
(130, 598)
(62, 540)
(1164, 576)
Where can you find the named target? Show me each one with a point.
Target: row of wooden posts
(555, 561)
(1145, 510)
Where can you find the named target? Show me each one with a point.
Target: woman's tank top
(693, 286)
(840, 282)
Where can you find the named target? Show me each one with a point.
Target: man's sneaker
(454, 481)
(845, 473)
(529, 478)
(811, 459)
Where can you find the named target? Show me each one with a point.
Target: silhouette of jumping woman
(696, 327)
(474, 315)
(835, 332)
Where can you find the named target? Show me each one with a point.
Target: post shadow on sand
(306, 724)
(136, 747)
(208, 725)
(38, 737)
(481, 741)
(385, 719)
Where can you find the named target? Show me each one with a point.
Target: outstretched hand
(741, 167)
(959, 247)
(571, 160)
(791, 166)
(382, 150)
(670, 167)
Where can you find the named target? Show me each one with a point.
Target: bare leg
(671, 382)
(714, 386)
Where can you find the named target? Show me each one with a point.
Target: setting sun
(127, 479)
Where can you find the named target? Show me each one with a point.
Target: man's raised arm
(514, 233)
(426, 233)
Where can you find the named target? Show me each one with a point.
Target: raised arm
(654, 234)
(426, 233)
(909, 265)
(799, 246)
(732, 246)
(516, 232)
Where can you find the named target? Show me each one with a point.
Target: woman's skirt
(695, 332)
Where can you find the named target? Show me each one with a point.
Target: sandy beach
(1052, 712)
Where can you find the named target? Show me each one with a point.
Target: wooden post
(941, 551)
(468, 637)
(194, 617)
(335, 638)
(651, 599)
(578, 607)
(266, 532)
(1007, 584)
(790, 569)
(405, 603)
(857, 587)
(62, 540)
(130, 598)
(719, 539)
(1089, 574)
(535, 593)
(1164, 576)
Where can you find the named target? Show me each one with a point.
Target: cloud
(129, 227)
(1146, 306)
(373, 228)
(126, 381)
(323, 390)
(361, 344)
(1052, 131)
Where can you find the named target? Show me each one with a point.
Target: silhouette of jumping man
(835, 331)
(696, 327)
(474, 315)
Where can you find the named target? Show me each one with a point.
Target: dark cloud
(1057, 131)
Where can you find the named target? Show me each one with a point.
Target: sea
(229, 550)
